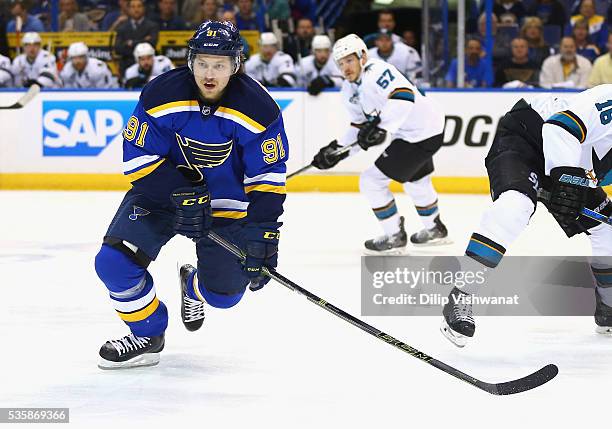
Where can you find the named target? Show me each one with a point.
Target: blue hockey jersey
(238, 146)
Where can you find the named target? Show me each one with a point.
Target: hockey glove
(261, 250)
(319, 83)
(370, 135)
(193, 216)
(328, 157)
(568, 195)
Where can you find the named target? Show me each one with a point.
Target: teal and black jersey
(237, 146)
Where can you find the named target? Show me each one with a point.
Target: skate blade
(436, 242)
(398, 251)
(147, 359)
(604, 330)
(456, 338)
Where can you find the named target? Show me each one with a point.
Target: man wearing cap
(148, 66)
(19, 10)
(35, 65)
(317, 71)
(81, 71)
(405, 58)
(270, 66)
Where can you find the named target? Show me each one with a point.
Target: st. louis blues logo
(200, 155)
(138, 211)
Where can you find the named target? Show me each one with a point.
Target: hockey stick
(529, 382)
(591, 214)
(336, 153)
(25, 99)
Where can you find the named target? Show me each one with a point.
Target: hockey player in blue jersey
(205, 148)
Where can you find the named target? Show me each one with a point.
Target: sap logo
(574, 180)
(83, 128)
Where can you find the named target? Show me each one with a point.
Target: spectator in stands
(116, 17)
(271, 67)
(35, 65)
(70, 19)
(29, 23)
(406, 59)
(518, 70)
(501, 41)
(230, 16)
(6, 74)
(550, 12)
(410, 39)
(477, 72)
(299, 45)
(319, 71)
(566, 69)
(208, 10)
(147, 67)
(247, 18)
(533, 31)
(137, 29)
(386, 20)
(580, 32)
(504, 7)
(598, 30)
(602, 68)
(167, 19)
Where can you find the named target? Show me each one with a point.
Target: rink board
(72, 139)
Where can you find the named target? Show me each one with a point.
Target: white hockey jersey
(405, 58)
(383, 91)
(307, 71)
(267, 73)
(96, 74)
(6, 74)
(43, 70)
(161, 64)
(578, 131)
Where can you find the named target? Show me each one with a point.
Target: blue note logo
(138, 211)
(83, 128)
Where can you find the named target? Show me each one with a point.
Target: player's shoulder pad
(174, 86)
(249, 103)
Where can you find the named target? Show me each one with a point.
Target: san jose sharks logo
(199, 155)
(602, 167)
(138, 211)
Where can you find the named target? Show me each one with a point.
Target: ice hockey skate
(436, 236)
(192, 310)
(394, 244)
(130, 352)
(603, 316)
(458, 323)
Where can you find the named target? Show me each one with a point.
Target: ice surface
(277, 360)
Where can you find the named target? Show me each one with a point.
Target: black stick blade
(536, 379)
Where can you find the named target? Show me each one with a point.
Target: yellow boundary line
(306, 183)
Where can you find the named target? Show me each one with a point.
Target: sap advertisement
(81, 132)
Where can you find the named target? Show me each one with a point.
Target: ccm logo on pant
(194, 201)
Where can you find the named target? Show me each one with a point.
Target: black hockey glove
(319, 83)
(261, 250)
(193, 216)
(327, 157)
(370, 135)
(568, 195)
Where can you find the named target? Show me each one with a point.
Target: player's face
(212, 73)
(350, 66)
(79, 62)
(145, 62)
(384, 44)
(31, 50)
(268, 51)
(321, 55)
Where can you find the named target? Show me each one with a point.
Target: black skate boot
(435, 236)
(386, 244)
(458, 323)
(192, 310)
(131, 351)
(603, 316)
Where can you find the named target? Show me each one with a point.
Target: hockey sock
(425, 199)
(428, 214)
(389, 217)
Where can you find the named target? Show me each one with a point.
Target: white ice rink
(276, 360)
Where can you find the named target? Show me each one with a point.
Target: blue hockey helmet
(216, 38)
